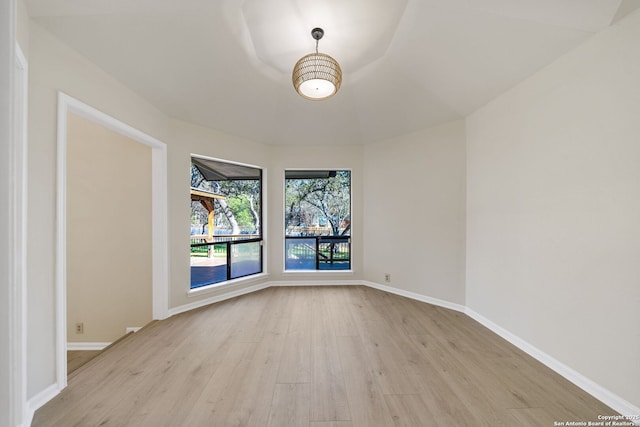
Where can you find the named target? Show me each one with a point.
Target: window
(226, 221)
(317, 220)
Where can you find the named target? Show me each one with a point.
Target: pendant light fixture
(317, 76)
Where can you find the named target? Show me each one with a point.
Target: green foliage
(240, 211)
(239, 205)
(312, 202)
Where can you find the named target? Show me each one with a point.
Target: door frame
(159, 224)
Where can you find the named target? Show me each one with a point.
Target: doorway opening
(157, 219)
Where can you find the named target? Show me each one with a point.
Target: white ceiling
(407, 64)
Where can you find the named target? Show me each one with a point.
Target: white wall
(7, 40)
(553, 228)
(52, 67)
(414, 212)
(22, 26)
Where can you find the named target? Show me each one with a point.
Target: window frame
(316, 271)
(230, 282)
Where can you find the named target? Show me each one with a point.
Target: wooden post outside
(207, 200)
(210, 230)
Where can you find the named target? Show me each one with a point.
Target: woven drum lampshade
(317, 76)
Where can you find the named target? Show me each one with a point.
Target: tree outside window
(318, 220)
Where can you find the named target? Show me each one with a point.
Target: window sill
(229, 284)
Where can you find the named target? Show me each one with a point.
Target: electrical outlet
(79, 328)
(387, 278)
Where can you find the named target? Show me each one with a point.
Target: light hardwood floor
(77, 358)
(317, 357)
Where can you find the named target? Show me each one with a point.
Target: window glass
(317, 220)
(226, 221)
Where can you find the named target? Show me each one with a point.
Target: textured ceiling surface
(407, 64)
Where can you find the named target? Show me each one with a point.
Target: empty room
(330, 213)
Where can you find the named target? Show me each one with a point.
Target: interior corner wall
(553, 208)
(53, 66)
(414, 212)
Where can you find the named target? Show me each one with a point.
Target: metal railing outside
(242, 254)
(318, 253)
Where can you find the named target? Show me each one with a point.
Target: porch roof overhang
(201, 195)
(213, 170)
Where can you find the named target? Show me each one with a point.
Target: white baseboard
(607, 397)
(132, 329)
(249, 289)
(217, 298)
(37, 401)
(81, 346)
(418, 297)
(316, 283)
